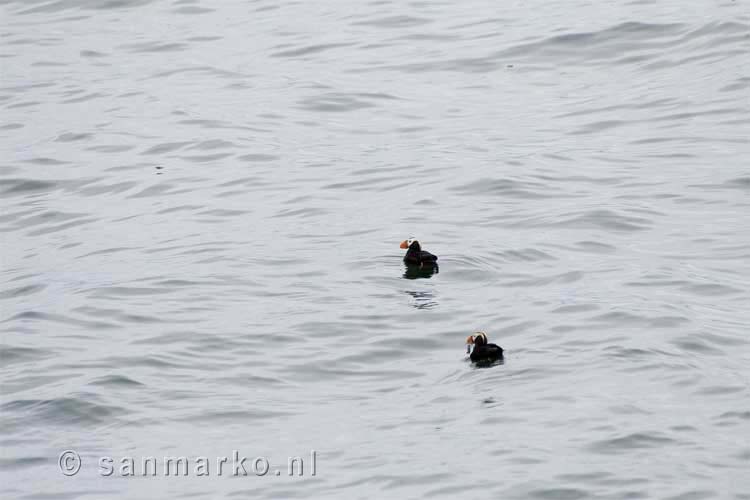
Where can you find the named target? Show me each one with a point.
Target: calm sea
(201, 210)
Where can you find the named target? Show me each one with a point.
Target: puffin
(482, 352)
(415, 256)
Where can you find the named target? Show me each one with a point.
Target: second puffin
(416, 256)
(482, 352)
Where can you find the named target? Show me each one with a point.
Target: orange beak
(405, 244)
(470, 339)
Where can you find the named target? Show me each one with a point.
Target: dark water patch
(21, 291)
(559, 493)
(154, 361)
(427, 37)
(23, 463)
(116, 381)
(212, 144)
(76, 411)
(258, 157)
(156, 47)
(111, 148)
(166, 147)
(84, 98)
(46, 161)
(740, 84)
(360, 185)
(619, 108)
(35, 316)
(599, 126)
(720, 390)
(128, 291)
(224, 213)
(11, 126)
(635, 441)
(711, 289)
(696, 344)
(93, 54)
(651, 280)
(71, 137)
(582, 179)
(253, 381)
(28, 87)
(507, 188)
(303, 213)
(377, 96)
(593, 46)
(309, 50)
(596, 247)
(739, 183)
(394, 22)
(100, 189)
(192, 10)
(47, 217)
(585, 477)
(635, 42)
(31, 382)
(10, 355)
(218, 124)
(693, 114)
(334, 102)
(245, 182)
(169, 338)
(733, 418)
(205, 38)
(181, 208)
(155, 190)
(693, 495)
(61, 5)
(62, 227)
(227, 417)
(24, 104)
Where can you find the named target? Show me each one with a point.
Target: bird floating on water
(482, 351)
(415, 256)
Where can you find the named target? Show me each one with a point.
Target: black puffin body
(483, 352)
(415, 256)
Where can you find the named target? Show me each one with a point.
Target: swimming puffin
(415, 256)
(482, 352)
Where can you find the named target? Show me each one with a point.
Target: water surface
(201, 210)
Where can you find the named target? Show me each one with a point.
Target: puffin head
(411, 244)
(476, 339)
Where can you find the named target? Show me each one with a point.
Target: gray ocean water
(202, 205)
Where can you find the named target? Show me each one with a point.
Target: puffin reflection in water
(413, 272)
(419, 263)
(482, 352)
